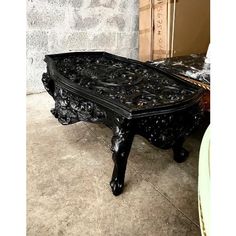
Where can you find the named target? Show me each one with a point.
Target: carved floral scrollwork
(69, 108)
(133, 85)
(48, 83)
(164, 130)
(121, 143)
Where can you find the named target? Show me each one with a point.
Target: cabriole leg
(121, 144)
(180, 154)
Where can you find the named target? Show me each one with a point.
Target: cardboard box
(192, 27)
(173, 28)
(145, 30)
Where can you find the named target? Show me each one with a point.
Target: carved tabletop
(128, 96)
(194, 68)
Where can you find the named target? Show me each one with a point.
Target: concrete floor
(69, 169)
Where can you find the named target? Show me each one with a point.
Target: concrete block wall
(55, 26)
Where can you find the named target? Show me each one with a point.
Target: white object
(208, 55)
(204, 184)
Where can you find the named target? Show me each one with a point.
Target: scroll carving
(164, 130)
(134, 85)
(70, 109)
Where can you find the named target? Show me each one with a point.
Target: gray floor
(69, 168)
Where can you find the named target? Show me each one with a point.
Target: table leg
(121, 144)
(180, 154)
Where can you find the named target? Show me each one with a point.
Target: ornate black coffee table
(126, 95)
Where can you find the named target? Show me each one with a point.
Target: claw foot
(181, 155)
(116, 187)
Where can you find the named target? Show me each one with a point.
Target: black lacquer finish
(128, 96)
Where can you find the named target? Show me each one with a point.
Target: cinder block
(43, 2)
(33, 82)
(117, 22)
(75, 3)
(135, 39)
(123, 6)
(57, 2)
(109, 3)
(57, 41)
(86, 23)
(129, 6)
(103, 40)
(53, 40)
(64, 41)
(95, 3)
(35, 67)
(45, 17)
(135, 6)
(135, 23)
(74, 41)
(124, 40)
(37, 40)
(57, 26)
(103, 3)
(35, 59)
(127, 40)
(134, 53)
(124, 52)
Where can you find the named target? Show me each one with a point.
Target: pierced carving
(70, 109)
(134, 85)
(164, 130)
(48, 83)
